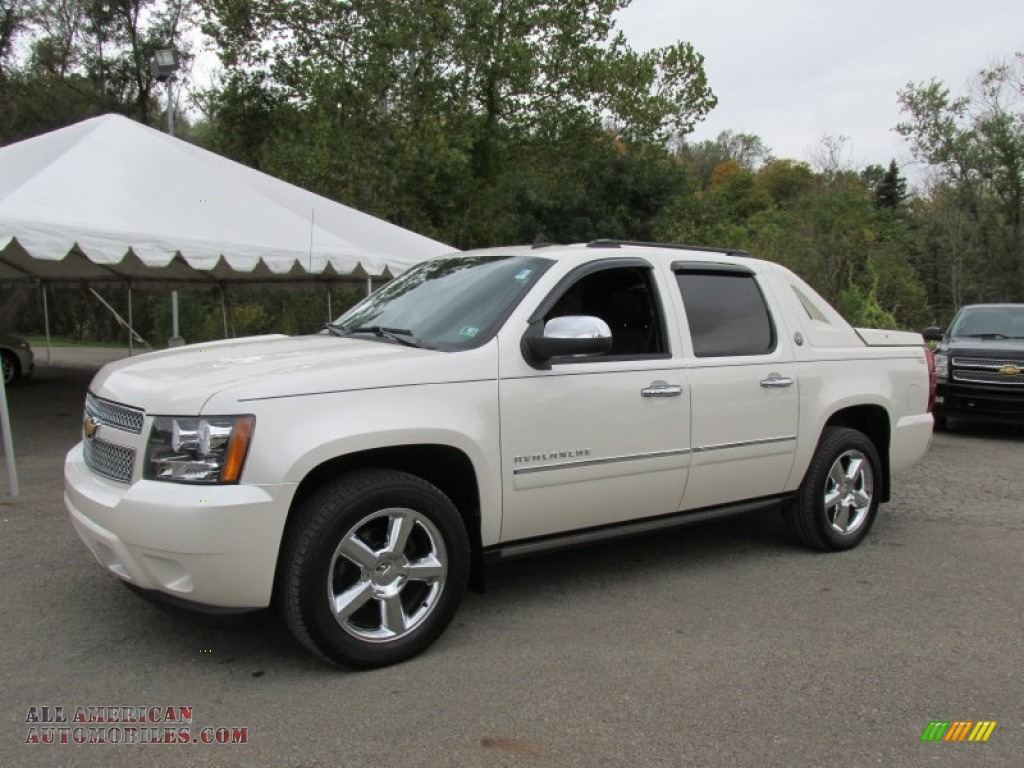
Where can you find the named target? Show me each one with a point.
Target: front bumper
(973, 401)
(211, 545)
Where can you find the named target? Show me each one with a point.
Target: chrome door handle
(775, 380)
(661, 389)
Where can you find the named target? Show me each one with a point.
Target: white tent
(109, 199)
(108, 188)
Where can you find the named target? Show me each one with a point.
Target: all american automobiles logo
(147, 724)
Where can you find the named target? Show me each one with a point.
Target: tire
(839, 497)
(374, 567)
(941, 424)
(9, 363)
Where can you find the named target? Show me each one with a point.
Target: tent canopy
(109, 199)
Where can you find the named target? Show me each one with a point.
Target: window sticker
(469, 331)
(523, 274)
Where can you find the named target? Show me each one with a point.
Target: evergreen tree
(891, 190)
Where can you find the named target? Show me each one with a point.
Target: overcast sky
(794, 71)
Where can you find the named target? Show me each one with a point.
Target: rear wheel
(839, 498)
(374, 568)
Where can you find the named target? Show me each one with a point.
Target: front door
(600, 440)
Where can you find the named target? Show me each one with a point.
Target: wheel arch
(447, 468)
(873, 421)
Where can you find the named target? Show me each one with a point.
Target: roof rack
(679, 246)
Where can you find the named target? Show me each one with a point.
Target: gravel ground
(717, 645)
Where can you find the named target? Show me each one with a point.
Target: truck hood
(181, 381)
(997, 349)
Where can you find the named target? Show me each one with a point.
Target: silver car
(16, 357)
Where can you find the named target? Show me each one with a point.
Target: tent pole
(131, 330)
(224, 310)
(5, 423)
(46, 324)
(120, 320)
(175, 338)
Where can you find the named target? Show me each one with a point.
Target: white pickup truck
(484, 405)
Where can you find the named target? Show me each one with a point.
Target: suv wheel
(839, 497)
(374, 568)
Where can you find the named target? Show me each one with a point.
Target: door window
(624, 298)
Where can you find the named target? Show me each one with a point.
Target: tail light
(932, 378)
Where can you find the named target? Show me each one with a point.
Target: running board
(526, 547)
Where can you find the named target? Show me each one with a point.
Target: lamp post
(163, 65)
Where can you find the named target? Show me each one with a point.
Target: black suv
(979, 363)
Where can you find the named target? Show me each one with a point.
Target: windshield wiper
(401, 335)
(984, 336)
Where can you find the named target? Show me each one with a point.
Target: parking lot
(722, 644)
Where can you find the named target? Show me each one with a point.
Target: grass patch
(60, 341)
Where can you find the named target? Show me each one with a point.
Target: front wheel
(374, 568)
(9, 366)
(839, 497)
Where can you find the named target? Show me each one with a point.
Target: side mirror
(569, 336)
(932, 333)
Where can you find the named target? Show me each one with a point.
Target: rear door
(744, 386)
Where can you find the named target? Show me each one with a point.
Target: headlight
(941, 366)
(210, 449)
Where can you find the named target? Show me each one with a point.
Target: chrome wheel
(374, 567)
(848, 492)
(837, 502)
(386, 575)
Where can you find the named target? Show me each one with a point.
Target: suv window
(624, 298)
(727, 313)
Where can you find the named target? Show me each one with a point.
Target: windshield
(1000, 322)
(455, 302)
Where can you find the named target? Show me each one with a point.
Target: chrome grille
(987, 377)
(985, 362)
(118, 416)
(109, 460)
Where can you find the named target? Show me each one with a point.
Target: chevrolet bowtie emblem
(1009, 370)
(90, 427)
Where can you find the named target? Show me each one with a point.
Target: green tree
(83, 58)
(427, 114)
(15, 16)
(975, 143)
(888, 186)
(824, 225)
(785, 180)
(745, 149)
